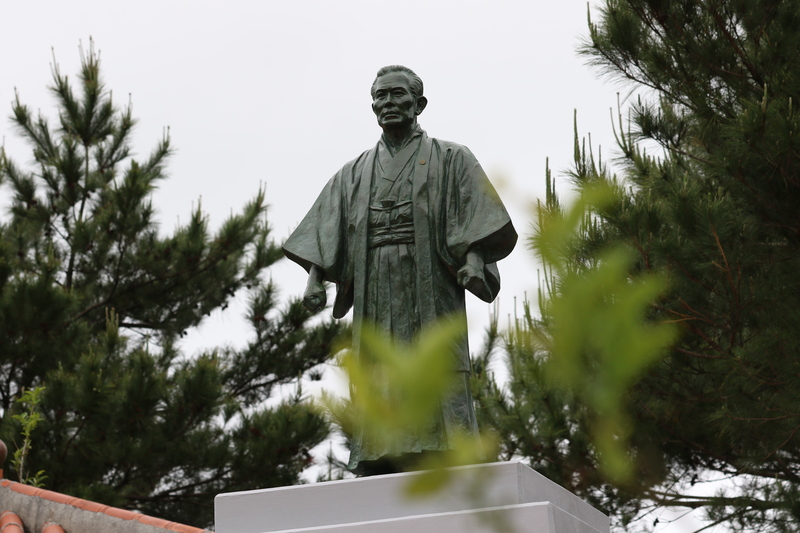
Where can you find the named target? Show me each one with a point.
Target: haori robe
(392, 231)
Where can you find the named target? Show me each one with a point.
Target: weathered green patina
(402, 231)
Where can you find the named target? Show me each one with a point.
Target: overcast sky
(277, 93)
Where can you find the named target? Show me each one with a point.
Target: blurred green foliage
(28, 419)
(596, 333)
(397, 388)
(706, 188)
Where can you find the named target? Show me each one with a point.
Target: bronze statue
(403, 230)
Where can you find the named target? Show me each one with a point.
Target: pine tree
(92, 299)
(715, 209)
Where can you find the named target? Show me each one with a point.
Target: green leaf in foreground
(596, 332)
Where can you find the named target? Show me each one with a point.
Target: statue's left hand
(473, 280)
(315, 297)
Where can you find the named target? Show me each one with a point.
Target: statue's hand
(473, 280)
(315, 297)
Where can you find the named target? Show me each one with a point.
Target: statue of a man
(403, 230)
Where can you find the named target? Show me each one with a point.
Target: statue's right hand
(315, 297)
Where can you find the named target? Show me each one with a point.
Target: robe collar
(392, 166)
(418, 131)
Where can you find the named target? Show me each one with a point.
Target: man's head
(397, 97)
(415, 82)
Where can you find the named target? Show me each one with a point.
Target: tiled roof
(46, 511)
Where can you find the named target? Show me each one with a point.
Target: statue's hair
(415, 81)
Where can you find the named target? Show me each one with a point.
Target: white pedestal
(482, 498)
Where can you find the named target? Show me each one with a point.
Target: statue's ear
(422, 102)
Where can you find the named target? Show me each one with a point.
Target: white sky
(278, 93)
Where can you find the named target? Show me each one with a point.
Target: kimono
(392, 232)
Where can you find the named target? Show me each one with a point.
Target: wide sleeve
(321, 239)
(474, 216)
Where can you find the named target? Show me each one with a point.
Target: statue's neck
(397, 138)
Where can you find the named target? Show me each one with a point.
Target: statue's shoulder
(449, 146)
(355, 166)
(359, 161)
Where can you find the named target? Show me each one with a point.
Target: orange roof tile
(89, 506)
(52, 527)
(10, 523)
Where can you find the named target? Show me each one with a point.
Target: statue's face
(393, 102)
